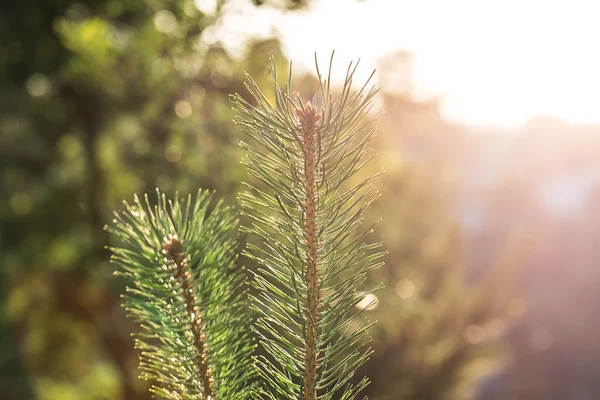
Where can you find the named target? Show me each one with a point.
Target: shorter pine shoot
(178, 259)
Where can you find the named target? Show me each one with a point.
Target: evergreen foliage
(305, 204)
(178, 258)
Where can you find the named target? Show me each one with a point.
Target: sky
(492, 62)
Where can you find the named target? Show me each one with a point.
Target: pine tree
(306, 206)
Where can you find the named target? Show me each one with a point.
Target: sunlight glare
(493, 63)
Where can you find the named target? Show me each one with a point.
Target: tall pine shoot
(306, 206)
(305, 202)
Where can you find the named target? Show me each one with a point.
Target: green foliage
(184, 290)
(306, 207)
(179, 260)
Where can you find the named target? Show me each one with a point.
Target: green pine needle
(178, 258)
(306, 204)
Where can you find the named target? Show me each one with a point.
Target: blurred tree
(99, 99)
(551, 188)
(436, 333)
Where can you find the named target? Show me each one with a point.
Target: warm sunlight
(493, 62)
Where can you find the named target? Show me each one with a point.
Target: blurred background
(490, 206)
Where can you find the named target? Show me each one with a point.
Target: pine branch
(183, 288)
(306, 205)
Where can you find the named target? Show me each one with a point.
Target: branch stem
(308, 121)
(174, 249)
